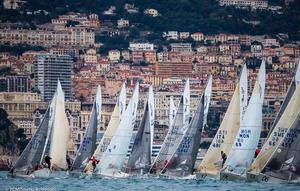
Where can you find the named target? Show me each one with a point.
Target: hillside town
(68, 49)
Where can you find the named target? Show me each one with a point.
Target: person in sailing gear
(257, 151)
(48, 161)
(224, 157)
(68, 159)
(94, 162)
(37, 166)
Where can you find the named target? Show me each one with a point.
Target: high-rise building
(48, 68)
(15, 84)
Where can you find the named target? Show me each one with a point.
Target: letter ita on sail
(175, 133)
(113, 158)
(246, 141)
(140, 159)
(88, 144)
(278, 134)
(183, 160)
(60, 132)
(225, 136)
(113, 123)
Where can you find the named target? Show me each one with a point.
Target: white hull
(205, 176)
(46, 173)
(189, 177)
(227, 176)
(114, 175)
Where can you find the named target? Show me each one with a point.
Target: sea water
(132, 184)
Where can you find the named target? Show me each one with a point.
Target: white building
(141, 46)
(151, 12)
(123, 23)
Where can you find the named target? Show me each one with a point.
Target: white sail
(98, 102)
(151, 106)
(225, 135)
(113, 158)
(186, 105)
(207, 93)
(172, 111)
(60, 132)
(246, 141)
(113, 124)
(243, 91)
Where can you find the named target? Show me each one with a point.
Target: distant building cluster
(255, 4)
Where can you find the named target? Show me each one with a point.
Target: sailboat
(242, 153)
(182, 163)
(88, 145)
(51, 138)
(211, 164)
(281, 139)
(140, 159)
(113, 124)
(175, 133)
(113, 158)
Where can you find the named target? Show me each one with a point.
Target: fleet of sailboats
(231, 155)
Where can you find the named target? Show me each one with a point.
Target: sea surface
(132, 184)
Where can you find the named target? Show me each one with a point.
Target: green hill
(181, 15)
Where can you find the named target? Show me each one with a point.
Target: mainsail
(88, 145)
(113, 158)
(113, 124)
(225, 136)
(33, 152)
(278, 133)
(246, 141)
(243, 92)
(182, 162)
(59, 132)
(186, 105)
(285, 162)
(140, 158)
(175, 133)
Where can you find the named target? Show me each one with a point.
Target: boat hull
(113, 175)
(206, 176)
(227, 176)
(267, 178)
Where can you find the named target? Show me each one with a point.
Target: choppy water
(133, 184)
